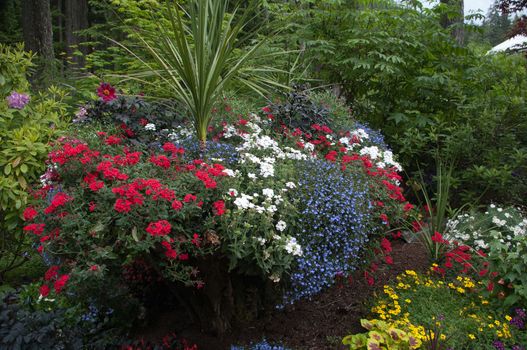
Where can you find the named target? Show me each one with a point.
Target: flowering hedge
(284, 205)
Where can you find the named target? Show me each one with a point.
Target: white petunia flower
(281, 225)
(150, 127)
(292, 247)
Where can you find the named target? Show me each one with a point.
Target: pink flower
(106, 92)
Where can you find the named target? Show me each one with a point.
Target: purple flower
(521, 313)
(498, 345)
(17, 101)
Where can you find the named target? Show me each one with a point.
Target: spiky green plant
(202, 50)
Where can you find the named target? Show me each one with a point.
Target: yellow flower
(472, 336)
(408, 301)
(508, 318)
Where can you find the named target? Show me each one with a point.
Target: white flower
(244, 202)
(309, 147)
(372, 151)
(272, 208)
(290, 185)
(268, 192)
(150, 126)
(344, 140)
(251, 176)
(261, 240)
(274, 278)
(498, 222)
(229, 172)
(292, 247)
(233, 192)
(266, 169)
(281, 225)
(361, 134)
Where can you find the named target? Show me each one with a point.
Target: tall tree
(38, 34)
(454, 17)
(75, 19)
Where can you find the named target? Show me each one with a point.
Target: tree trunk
(458, 19)
(76, 18)
(38, 35)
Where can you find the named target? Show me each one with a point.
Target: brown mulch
(319, 323)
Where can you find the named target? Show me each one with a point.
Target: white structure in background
(514, 44)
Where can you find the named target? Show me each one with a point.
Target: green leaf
(24, 168)
(7, 169)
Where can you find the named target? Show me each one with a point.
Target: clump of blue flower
(263, 345)
(333, 225)
(213, 150)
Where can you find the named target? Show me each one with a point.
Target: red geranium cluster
(59, 281)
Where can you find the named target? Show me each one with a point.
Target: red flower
(159, 228)
(59, 200)
(388, 259)
(96, 185)
(396, 235)
(416, 225)
(106, 92)
(490, 286)
(177, 205)
(113, 140)
(369, 278)
(386, 245)
(60, 283)
(219, 207)
(92, 206)
(161, 161)
(169, 251)
(196, 240)
(183, 257)
(408, 207)
(29, 214)
(44, 290)
(51, 273)
(170, 147)
(331, 156)
(438, 238)
(37, 229)
(189, 198)
(384, 219)
(94, 267)
(266, 109)
(122, 205)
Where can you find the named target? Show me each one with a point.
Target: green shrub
(400, 71)
(27, 124)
